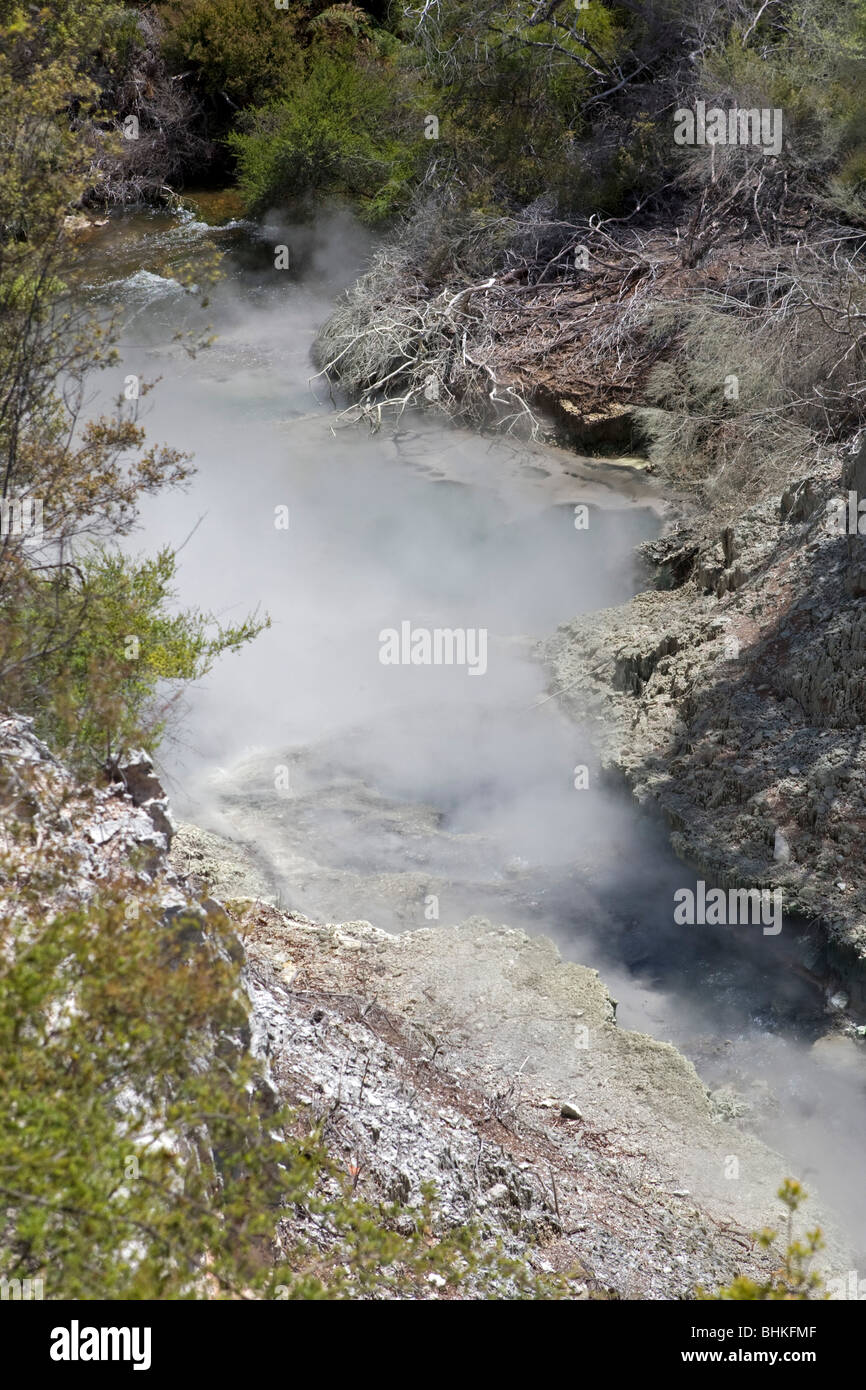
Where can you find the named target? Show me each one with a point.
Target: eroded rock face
(136, 775)
(734, 700)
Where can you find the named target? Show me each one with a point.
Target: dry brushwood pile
(710, 342)
(486, 350)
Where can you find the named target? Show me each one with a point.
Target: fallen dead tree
(415, 348)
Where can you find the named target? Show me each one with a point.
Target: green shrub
(244, 50)
(337, 131)
(96, 655)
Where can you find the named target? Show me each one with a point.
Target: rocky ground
(476, 1058)
(733, 699)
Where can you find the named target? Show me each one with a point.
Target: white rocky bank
(475, 1057)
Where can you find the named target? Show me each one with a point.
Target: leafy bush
(245, 50)
(107, 1023)
(336, 131)
(97, 655)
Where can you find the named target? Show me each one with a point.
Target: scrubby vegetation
(337, 132)
(711, 293)
(87, 637)
(505, 102)
(795, 1278)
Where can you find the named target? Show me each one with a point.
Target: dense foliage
(529, 98)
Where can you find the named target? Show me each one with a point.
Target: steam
(391, 791)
